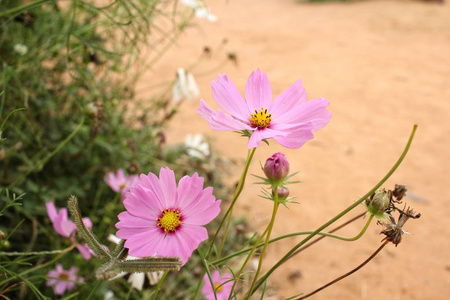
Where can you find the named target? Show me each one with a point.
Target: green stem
(40, 164)
(237, 192)
(345, 211)
(21, 8)
(247, 259)
(50, 262)
(158, 287)
(269, 231)
(324, 234)
(37, 253)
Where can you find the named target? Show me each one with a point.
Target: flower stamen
(170, 220)
(261, 118)
(217, 287)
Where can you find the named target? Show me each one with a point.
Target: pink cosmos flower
(63, 280)
(289, 119)
(222, 285)
(121, 183)
(165, 220)
(66, 228)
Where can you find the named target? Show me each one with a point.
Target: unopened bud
(276, 167)
(379, 202)
(283, 193)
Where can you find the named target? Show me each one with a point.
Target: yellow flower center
(122, 185)
(217, 287)
(261, 118)
(170, 220)
(63, 276)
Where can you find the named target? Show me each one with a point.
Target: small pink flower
(165, 220)
(63, 280)
(121, 183)
(289, 119)
(222, 285)
(67, 228)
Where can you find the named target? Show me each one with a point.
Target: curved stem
(237, 192)
(251, 250)
(346, 274)
(269, 231)
(323, 235)
(345, 211)
(23, 7)
(158, 287)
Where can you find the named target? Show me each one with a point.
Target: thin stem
(251, 250)
(225, 234)
(237, 192)
(37, 253)
(323, 235)
(158, 287)
(269, 231)
(21, 8)
(345, 211)
(50, 262)
(346, 274)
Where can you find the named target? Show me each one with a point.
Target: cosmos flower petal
(146, 243)
(313, 111)
(205, 111)
(294, 140)
(143, 203)
(266, 133)
(84, 251)
(258, 91)
(287, 100)
(168, 186)
(188, 190)
(51, 211)
(151, 182)
(221, 121)
(190, 237)
(229, 98)
(203, 217)
(129, 225)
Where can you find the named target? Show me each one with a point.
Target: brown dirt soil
(384, 66)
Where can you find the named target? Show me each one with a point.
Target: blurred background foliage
(72, 67)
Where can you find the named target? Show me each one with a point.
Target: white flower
(21, 49)
(109, 296)
(201, 11)
(185, 86)
(195, 147)
(136, 279)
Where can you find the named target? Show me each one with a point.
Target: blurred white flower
(21, 49)
(195, 146)
(109, 295)
(185, 86)
(136, 279)
(200, 9)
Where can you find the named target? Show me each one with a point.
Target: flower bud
(283, 193)
(379, 202)
(276, 167)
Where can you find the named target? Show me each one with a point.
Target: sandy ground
(384, 66)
